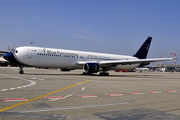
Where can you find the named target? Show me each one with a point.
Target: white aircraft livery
(90, 62)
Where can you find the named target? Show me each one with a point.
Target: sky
(105, 26)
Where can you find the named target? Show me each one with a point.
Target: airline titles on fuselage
(69, 54)
(58, 53)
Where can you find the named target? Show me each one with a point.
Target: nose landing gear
(21, 70)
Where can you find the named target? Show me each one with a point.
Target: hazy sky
(108, 26)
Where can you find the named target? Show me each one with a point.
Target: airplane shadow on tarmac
(97, 75)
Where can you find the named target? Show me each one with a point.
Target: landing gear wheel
(104, 74)
(21, 72)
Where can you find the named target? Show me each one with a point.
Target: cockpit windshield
(13, 51)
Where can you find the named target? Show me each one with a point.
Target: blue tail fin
(143, 51)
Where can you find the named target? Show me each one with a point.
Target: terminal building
(165, 68)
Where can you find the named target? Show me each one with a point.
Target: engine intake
(91, 68)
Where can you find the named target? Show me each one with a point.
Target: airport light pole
(9, 48)
(175, 54)
(160, 63)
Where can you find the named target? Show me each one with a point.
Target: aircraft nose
(8, 56)
(11, 58)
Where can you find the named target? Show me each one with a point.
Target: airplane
(90, 62)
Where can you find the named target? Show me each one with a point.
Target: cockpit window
(14, 51)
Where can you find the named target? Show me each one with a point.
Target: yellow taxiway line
(10, 107)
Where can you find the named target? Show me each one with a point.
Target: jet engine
(91, 68)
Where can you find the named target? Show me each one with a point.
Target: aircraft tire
(21, 72)
(104, 74)
(87, 73)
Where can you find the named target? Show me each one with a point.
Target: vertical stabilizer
(143, 51)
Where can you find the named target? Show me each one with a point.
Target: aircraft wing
(124, 62)
(2, 59)
(84, 62)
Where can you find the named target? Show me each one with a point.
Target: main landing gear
(104, 73)
(21, 70)
(86, 73)
(100, 74)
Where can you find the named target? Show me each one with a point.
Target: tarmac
(49, 94)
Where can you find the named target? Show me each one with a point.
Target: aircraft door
(29, 53)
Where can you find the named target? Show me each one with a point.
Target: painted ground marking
(4, 90)
(31, 82)
(14, 99)
(170, 91)
(15, 105)
(136, 93)
(60, 97)
(70, 108)
(154, 91)
(83, 88)
(87, 96)
(115, 94)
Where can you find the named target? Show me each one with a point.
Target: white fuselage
(66, 59)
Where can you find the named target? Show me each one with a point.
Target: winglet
(143, 51)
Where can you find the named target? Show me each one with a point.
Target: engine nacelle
(91, 68)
